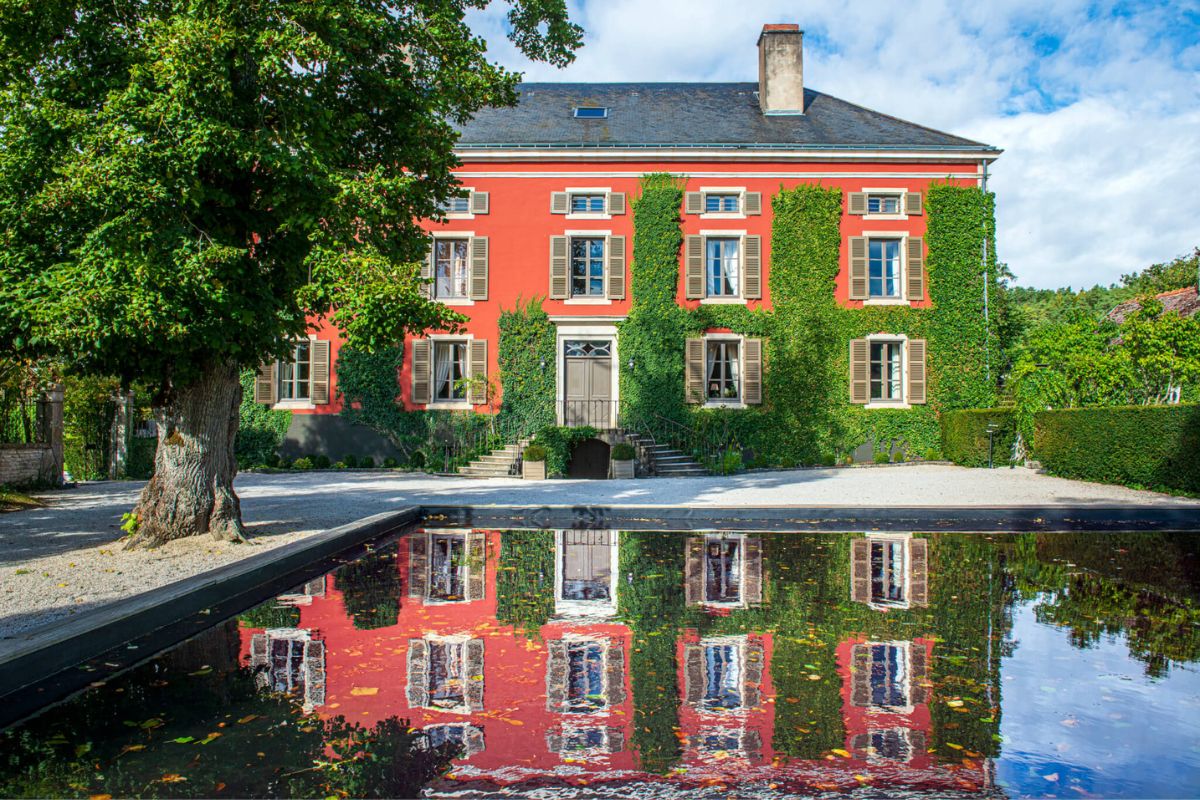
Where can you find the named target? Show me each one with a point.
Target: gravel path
(62, 559)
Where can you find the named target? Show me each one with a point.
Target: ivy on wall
(261, 430)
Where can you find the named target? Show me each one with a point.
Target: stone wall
(24, 464)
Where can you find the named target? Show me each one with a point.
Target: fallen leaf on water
(202, 671)
(172, 777)
(220, 786)
(132, 748)
(100, 797)
(1052, 777)
(360, 691)
(953, 745)
(184, 740)
(954, 703)
(153, 722)
(247, 718)
(839, 751)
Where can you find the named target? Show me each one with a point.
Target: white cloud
(1095, 104)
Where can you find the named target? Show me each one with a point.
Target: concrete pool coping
(50, 663)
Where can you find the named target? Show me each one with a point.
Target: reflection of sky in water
(1080, 723)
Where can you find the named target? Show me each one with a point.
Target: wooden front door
(587, 383)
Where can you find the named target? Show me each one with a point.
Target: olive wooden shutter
(918, 572)
(417, 688)
(560, 202)
(860, 675)
(752, 675)
(694, 372)
(693, 571)
(418, 565)
(473, 740)
(752, 745)
(916, 267)
(752, 372)
(752, 204)
(478, 371)
(694, 270)
(858, 268)
(314, 673)
(752, 267)
(616, 267)
(556, 675)
(477, 561)
(917, 743)
(860, 382)
(264, 384)
(474, 674)
(479, 203)
(916, 371)
(421, 371)
(913, 204)
(860, 570)
(559, 285)
(315, 587)
(918, 674)
(752, 589)
(616, 740)
(693, 202)
(614, 673)
(693, 673)
(554, 742)
(479, 268)
(427, 285)
(258, 651)
(616, 203)
(856, 203)
(319, 370)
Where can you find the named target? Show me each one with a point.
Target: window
(888, 676)
(463, 741)
(587, 204)
(722, 570)
(723, 677)
(883, 265)
(585, 677)
(591, 112)
(883, 204)
(887, 745)
(587, 565)
(447, 567)
(722, 271)
(294, 373)
(717, 203)
(889, 571)
(449, 371)
(719, 741)
(724, 380)
(287, 666)
(886, 371)
(450, 270)
(447, 685)
(455, 205)
(587, 267)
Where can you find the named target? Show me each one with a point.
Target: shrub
(349, 460)
(1142, 446)
(284, 463)
(272, 460)
(367, 462)
(535, 452)
(559, 443)
(965, 438)
(417, 460)
(882, 458)
(898, 457)
(321, 461)
(828, 459)
(731, 462)
(623, 451)
(932, 455)
(390, 463)
(303, 462)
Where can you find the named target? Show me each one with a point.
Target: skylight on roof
(591, 112)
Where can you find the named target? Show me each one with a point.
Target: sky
(1096, 105)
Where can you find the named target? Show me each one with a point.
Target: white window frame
(905, 540)
(434, 403)
(905, 735)
(294, 405)
(739, 642)
(726, 402)
(468, 235)
(586, 608)
(606, 644)
(460, 639)
(726, 300)
(893, 191)
(740, 191)
(571, 726)
(429, 533)
(903, 401)
(566, 332)
(604, 191)
(470, 190)
(907, 708)
(902, 279)
(589, 300)
(736, 732)
(741, 601)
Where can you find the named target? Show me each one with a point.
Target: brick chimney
(781, 69)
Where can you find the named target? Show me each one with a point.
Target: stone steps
(500, 463)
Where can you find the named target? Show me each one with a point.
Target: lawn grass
(13, 500)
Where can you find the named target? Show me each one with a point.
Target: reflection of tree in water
(370, 588)
(192, 723)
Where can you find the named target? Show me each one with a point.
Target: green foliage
(261, 430)
(965, 437)
(390, 463)
(622, 451)
(881, 457)
(731, 462)
(271, 615)
(322, 461)
(534, 452)
(350, 460)
(303, 463)
(1153, 447)
(370, 587)
(526, 356)
(525, 580)
(559, 443)
(367, 462)
(1175, 274)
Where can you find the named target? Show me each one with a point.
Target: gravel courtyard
(63, 559)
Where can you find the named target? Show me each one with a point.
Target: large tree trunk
(191, 492)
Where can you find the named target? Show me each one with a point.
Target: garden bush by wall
(1154, 447)
(965, 438)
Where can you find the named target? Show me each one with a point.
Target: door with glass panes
(587, 383)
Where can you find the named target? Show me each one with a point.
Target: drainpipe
(987, 327)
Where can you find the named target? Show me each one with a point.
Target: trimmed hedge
(1155, 447)
(965, 439)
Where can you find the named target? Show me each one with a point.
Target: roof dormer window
(591, 112)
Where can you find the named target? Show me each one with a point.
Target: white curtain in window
(443, 357)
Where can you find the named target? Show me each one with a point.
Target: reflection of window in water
(716, 742)
(585, 739)
(462, 740)
(446, 680)
(447, 567)
(585, 676)
(889, 569)
(587, 565)
(892, 744)
(723, 670)
(889, 675)
(287, 665)
(722, 570)
(439, 735)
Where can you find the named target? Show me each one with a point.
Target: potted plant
(533, 463)
(623, 458)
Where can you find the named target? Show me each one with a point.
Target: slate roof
(1185, 302)
(693, 115)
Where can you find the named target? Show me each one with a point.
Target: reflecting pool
(577, 662)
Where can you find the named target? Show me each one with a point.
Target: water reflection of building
(557, 702)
